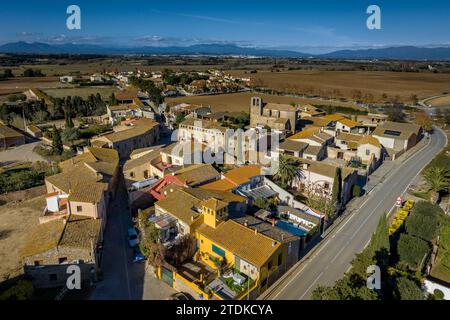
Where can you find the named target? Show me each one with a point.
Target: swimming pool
(291, 228)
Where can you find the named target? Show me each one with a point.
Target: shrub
(411, 250)
(407, 289)
(356, 192)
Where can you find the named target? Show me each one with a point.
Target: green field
(83, 92)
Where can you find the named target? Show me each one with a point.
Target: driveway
(21, 153)
(123, 279)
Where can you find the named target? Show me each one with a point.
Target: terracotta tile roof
(266, 229)
(146, 158)
(87, 192)
(79, 232)
(312, 150)
(333, 117)
(139, 127)
(181, 205)
(279, 106)
(34, 128)
(255, 248)
(370, 140)
(205, 124)
(324, 169)
(304, 133)
(405, 130)
(243, 174)
(196, 174)
(7, 132)
(214, 204)
(349, 123)
(293, 145)
(85, 177)
(349, 136)
(219, 185)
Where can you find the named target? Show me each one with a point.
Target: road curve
(333, 257)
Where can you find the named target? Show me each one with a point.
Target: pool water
(291, 228)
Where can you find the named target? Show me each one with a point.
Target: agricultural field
(343, 84)
(443, 101)
(82, 92)
(235, 102)
(18, 85)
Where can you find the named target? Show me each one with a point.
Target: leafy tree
(179, 118)
(438, 179)
(57, 145)
(424, 120)
(6, 114)
(379, 244)
(411, 251)
(261, 203)
(7, 73)
(424, 221)
(396, 114)
(70, 134)
(112, 99)
(22, 290)
(287, 171)
(407, 289)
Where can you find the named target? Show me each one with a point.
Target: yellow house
(225, 243)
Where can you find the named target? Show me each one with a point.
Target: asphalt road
(123, 279)
(332, 259)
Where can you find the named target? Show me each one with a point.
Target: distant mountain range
(403, 52)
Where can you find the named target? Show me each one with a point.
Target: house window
(326, 185)
(270, 265)
(280, 259)
(62, 260)
(218, 251)
(52, 277)
(132, 174)
(38, 262)
(146, 174)
(367, 152)
(79, 208)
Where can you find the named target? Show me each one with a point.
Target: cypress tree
(57, 145)
(337, 187)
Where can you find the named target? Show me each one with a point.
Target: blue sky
(310, 26)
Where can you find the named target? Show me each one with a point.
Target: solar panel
(392, 132)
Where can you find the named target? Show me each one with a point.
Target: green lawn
(441, 269)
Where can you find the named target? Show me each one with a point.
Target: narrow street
(123, 279)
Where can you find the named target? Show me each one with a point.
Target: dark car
(137, 255)
(181, 296)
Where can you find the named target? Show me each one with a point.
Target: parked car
(181, 296)
(137, 255)
(133, 239)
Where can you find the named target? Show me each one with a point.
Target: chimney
(273, 222)
(256, 231)
(246, 223)
(282, 237)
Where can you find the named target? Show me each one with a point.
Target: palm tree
(287, 171)
(438, 179)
